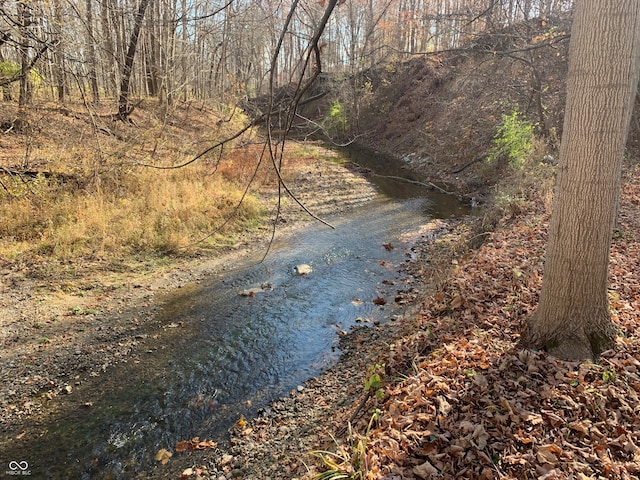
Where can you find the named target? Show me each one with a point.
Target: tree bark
(572, 320)
(110, 59)
(123, 102)
(91, 54)
(24, 17)
(59, 74)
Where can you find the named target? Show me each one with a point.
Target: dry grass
(93, 198)
(151, 212)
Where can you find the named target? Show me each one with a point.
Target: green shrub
(513, 140)
(335, 121)
(10, 70)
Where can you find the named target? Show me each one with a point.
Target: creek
(220, 354)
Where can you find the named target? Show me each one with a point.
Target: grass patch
(151, 212)
(88, 196)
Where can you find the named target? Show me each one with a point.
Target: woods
(219, 50)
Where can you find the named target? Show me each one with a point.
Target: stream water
(222, 355)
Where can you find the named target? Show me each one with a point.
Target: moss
(600, 342)
(552, 344)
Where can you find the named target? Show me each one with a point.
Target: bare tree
(24, 17)
(91, 54)
(124, 108)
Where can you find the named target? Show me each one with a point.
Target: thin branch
(328, 135)
(428, 185)
(221, 143)
(236, 208)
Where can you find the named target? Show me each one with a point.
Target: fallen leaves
(185, 446)
(163, 456)
(195, 444)
(475, 406)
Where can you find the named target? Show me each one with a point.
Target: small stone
(300, 388)
(303, 269)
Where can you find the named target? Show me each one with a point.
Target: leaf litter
(473, 405)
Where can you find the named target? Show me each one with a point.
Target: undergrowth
(526, 183)
(89, 195)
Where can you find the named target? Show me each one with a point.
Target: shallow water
(222, 354)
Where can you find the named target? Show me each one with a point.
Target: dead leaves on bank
(473, 406)
(185, 446)
(195, 444)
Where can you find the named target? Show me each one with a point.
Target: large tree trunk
(572, 320)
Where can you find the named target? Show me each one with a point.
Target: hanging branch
(274, 149)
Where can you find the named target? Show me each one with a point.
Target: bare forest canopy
(224, 50)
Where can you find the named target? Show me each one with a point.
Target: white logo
(18, 468)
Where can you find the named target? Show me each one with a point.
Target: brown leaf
(206, 444)
(186, 473)
(580, 426)
(545, 456)
(456, 302)
(163, 456)
(426, 470)
(183, 446)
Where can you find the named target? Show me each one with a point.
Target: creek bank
(60, 325)
(90, 342)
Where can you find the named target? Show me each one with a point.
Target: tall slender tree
(572, 320)
(91, 54)
(24, 17)
(124, 109)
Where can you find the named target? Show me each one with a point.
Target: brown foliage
(477, 407)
